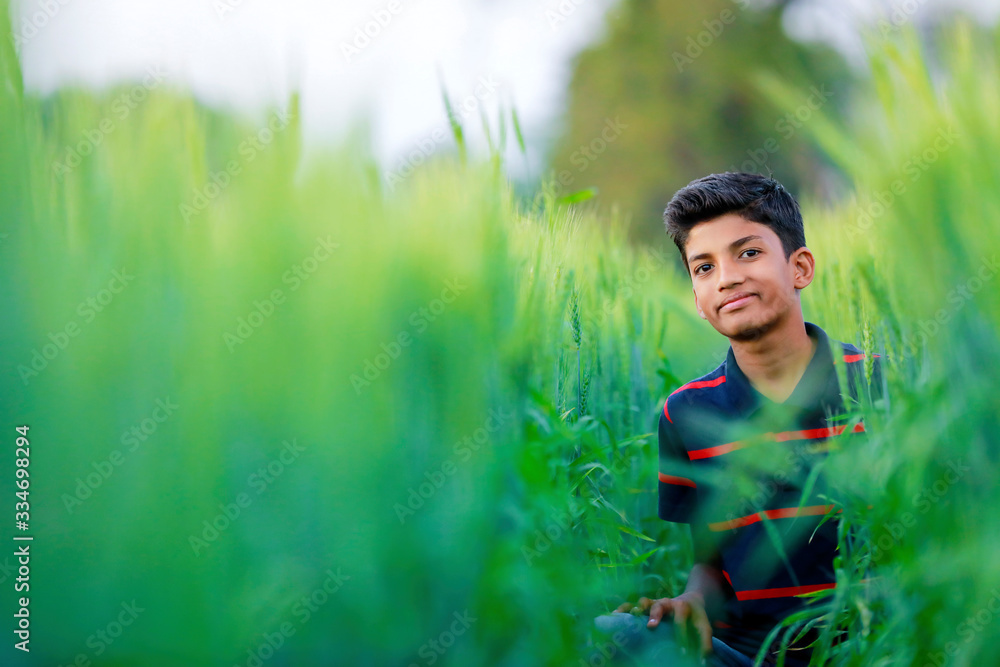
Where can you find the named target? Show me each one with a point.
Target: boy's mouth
(736, 301)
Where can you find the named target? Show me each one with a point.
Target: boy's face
(730, 256)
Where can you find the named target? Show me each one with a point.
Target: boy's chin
(743, 329)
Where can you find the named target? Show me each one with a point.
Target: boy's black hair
(753, 197)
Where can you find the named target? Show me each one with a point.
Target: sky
(379, 62)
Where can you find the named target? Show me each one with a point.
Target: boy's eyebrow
(732, 246)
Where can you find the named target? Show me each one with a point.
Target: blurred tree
(672, 93)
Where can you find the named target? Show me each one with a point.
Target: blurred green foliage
(251, 382)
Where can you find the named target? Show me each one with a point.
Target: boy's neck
(776, 362)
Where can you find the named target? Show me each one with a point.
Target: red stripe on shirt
(815, 433)
(766, 593)
(697, 384)
(673, 479)
(709, 452)
(850, 358)
(784, 436)
(782, 513)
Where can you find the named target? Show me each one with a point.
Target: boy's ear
(805, 267)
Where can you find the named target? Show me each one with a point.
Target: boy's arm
(689, 606)
(678, 503)
(706, 577)
(703, 597)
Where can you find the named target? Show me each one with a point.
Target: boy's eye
(698, 268)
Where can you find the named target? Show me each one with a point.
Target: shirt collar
(817, 386)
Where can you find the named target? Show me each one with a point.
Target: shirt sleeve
(677, 487)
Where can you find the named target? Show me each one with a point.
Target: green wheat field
(280, 414)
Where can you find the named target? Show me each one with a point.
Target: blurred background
(682, 80)
(341, 333)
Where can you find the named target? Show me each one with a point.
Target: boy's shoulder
(708, 389)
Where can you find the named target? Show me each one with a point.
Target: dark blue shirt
(734, 464)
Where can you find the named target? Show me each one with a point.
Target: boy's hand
(685, 607)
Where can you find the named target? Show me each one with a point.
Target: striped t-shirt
(734, 463)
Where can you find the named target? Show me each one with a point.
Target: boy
(736, 445)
